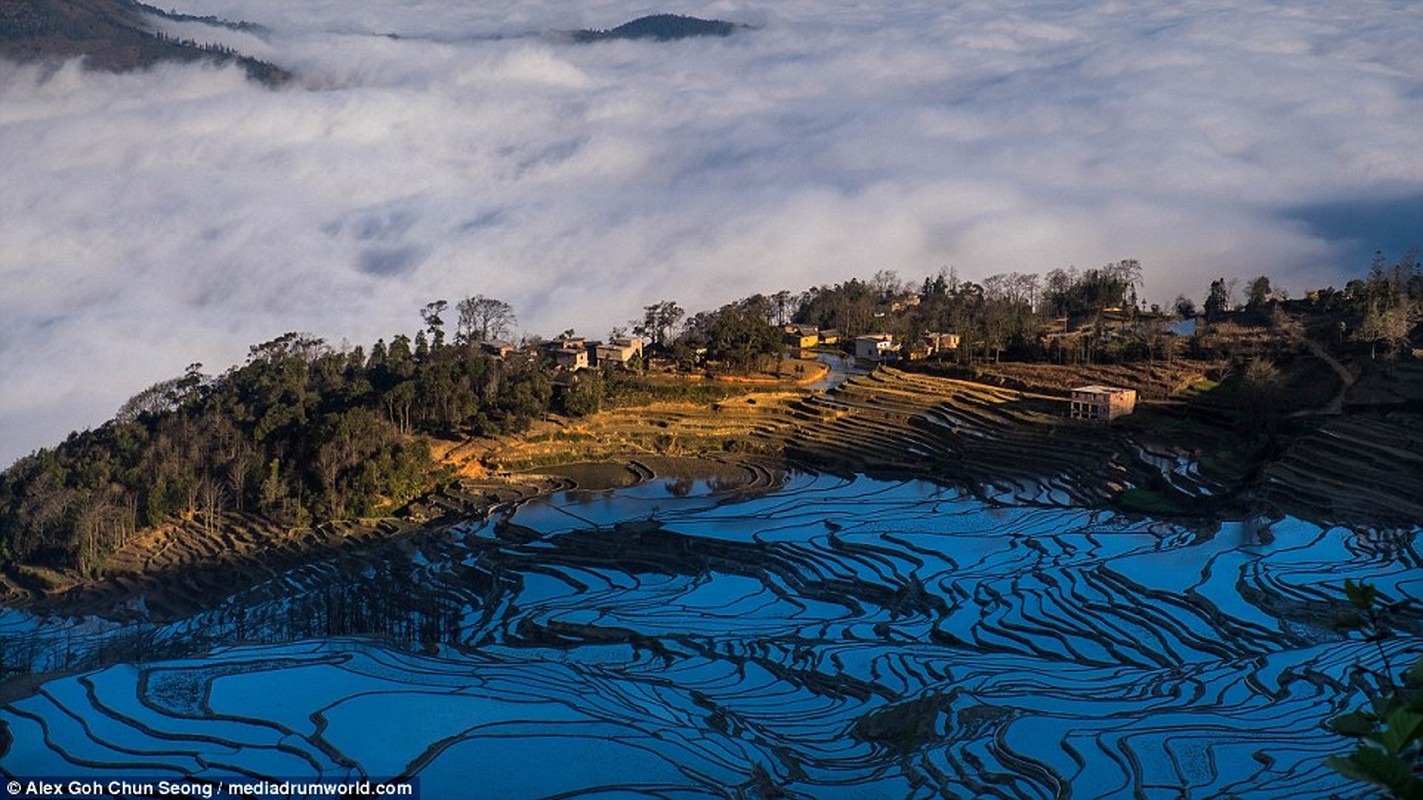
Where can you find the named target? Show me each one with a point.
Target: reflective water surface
(833, 639)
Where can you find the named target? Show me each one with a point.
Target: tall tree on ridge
(484, 318)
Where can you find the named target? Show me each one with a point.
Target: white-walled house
(874, 346)
(620, 351)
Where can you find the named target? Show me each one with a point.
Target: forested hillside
(111, 35)
(300, 432)
(304, 433)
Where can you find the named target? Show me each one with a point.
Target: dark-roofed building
(802, 336)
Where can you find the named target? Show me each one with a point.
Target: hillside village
(1061, 391)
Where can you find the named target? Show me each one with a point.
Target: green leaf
(1415, 672)
(1355, 723)
(1403, 727)
(1377, 767)
(1345, 767)
(1350, 621)
(1361, 594)
(1384, 704)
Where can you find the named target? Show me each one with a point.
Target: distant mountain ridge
(662, 27)
(111, 35)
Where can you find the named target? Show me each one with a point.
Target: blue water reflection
(833, 638)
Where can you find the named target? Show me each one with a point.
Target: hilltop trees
(1389, 301)
(483, 318)
(1004, 315)
(1384, 324)
(785, 302)
(658, 322)
(164, 395)
(848, 307)
(1258, 292)
(1217, 300)
(431, 314)
(738, 334)
(887, 285)
(299, 433)
(1112, 286)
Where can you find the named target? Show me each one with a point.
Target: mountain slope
(110, 34)
(662, 27)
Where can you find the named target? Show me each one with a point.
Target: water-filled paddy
(834, 639)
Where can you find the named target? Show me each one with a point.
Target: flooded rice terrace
(832, 639)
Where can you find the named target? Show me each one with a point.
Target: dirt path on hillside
(1347, 379)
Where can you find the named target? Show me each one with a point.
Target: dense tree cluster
(484, 318)
(1068, 292)
(1387, 303)
(738, 335)
(659, 321)
(848, 307)
(299, 433)
(1004, 315)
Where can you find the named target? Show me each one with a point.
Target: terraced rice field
(1156, 381)
(1001, 443)
(1004, 443)
(831, 638)
(1366, 466)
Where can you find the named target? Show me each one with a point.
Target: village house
(874, 346)
(496, 348)
(908, 301)
(571, 358)
(1103, 403)
(939, 342)
(918, 351)
(568, 352)
(830, 336)
(802, 336)
(619, 351)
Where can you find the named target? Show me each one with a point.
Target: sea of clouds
(429, 149)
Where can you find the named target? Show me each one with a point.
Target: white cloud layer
(435, 150)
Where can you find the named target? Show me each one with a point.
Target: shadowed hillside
(110, 34)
